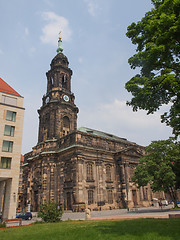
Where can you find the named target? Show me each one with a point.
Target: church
(78, 168)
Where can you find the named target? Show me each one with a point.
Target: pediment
(131, 151)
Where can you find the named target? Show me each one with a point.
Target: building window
(7, 146)
(66, 125)
(52, 82)
(5, 163)
(47, 125)
(9, 130)
(90, 197)
(10, 116)
(68, 173)
(64, 81)
(89, 172)
(110, 197)
(9, 100)
(108, 173)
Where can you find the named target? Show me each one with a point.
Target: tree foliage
(50, 212)
(160, 167)
(157, 37)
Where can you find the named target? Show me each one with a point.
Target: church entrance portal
(69, 201)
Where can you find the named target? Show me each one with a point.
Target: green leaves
(157, 37)
(50, 212)
(160, 167)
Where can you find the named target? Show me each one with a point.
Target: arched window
(66, 125)
(90, 197)
(64, 81)
(89, 172)
(108, 173)
(68, 173)
(52, 82)
(47, 124)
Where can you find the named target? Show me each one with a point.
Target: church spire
(59, 49)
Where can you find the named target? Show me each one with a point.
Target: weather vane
(60, 35)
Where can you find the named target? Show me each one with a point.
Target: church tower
(77, 168)
(58, 113)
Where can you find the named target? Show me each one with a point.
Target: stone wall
(81, 170)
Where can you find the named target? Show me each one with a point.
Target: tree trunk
(173, 194)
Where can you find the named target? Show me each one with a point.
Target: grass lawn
(147, 229)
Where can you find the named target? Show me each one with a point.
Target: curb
(16, 226)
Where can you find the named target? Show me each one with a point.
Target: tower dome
(59, 60)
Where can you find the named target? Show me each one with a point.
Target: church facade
(78, 168)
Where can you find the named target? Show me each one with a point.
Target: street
(149, 212)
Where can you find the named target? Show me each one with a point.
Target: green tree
(157, 37)
(160, 167)
(50, 212)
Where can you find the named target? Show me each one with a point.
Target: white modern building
(11, 129)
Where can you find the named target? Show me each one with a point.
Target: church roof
(5, 88)
(100, 134)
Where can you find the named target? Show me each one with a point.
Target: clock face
(47, 99)
(66, 98)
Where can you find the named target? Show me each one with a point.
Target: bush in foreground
(50, 212)
(2, 225)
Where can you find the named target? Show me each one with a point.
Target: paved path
(123, 214)
(150, 212)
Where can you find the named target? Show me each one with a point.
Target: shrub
(50, 212)
(2, 225)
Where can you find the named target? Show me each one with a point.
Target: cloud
(1, 52)
(93, 7)
(119, 119)
(55, 24)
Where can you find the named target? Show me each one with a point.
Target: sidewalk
(150, 212)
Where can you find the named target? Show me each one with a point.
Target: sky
(94, 40)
